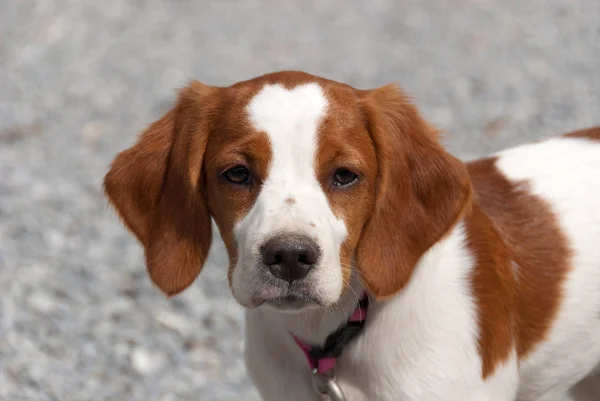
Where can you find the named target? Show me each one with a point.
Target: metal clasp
(326, 387)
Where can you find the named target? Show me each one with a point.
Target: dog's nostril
(290, 258)
(309, 256)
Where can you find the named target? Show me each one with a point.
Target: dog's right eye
(238, 175)
(344, 178)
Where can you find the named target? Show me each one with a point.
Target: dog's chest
(420, 345)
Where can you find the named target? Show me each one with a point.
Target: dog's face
(291, 185)
(309, 182)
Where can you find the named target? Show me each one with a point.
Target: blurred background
(79, 319)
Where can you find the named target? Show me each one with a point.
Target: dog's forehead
(280, 104)
(290, 118)
(276, 107)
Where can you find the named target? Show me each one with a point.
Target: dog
(372, 264)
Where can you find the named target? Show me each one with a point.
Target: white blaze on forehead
(290, 118)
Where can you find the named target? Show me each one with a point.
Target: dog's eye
(344, 177)
(238, 175)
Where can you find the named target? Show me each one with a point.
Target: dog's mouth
(292, 302)
(289, 298)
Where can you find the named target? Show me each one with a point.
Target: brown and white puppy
(484, 277)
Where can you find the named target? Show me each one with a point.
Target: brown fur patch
(421, 191)
(227, 203)
(158, 194)
(540, 254)
(589, 133)
(494, 286)
(344, 142)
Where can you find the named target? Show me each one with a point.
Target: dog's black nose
(290, 257)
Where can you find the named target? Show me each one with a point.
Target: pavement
(79, 319)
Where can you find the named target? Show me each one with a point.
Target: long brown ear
(421, 193)
(156, 187)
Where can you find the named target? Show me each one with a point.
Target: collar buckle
(326, 386)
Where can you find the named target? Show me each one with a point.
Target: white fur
(290, 118)
(422, 344)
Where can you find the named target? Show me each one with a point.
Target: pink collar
(322, 359)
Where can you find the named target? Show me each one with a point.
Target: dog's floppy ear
(421, 191)
(156, 187)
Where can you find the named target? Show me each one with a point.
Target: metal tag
(326, 387)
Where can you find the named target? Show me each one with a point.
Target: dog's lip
(292, 302)
(287, 298)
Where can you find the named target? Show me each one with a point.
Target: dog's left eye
(344, 177)
(238, 175)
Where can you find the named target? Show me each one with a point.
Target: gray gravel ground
(79, 320)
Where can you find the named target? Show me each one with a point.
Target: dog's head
(308, 180)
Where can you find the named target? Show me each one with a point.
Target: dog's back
(544, 199)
